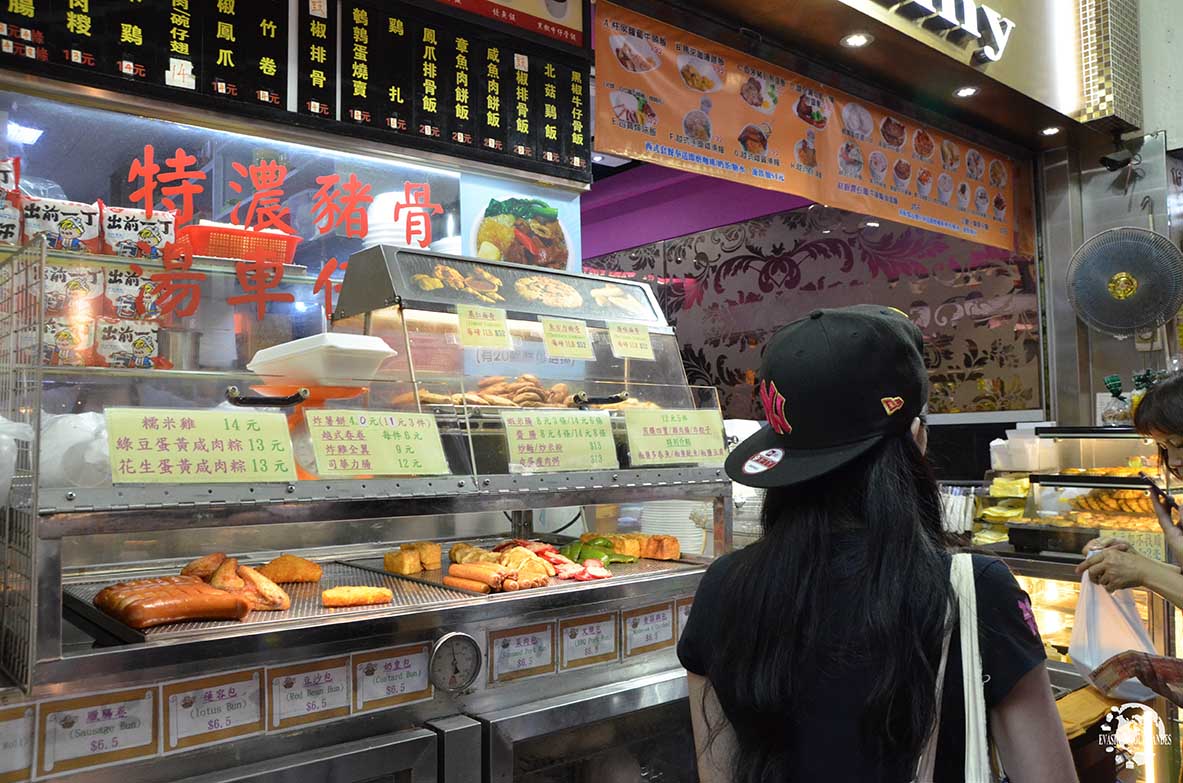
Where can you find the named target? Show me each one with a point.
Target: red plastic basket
(221, 242)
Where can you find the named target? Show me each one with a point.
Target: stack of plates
(673, 518)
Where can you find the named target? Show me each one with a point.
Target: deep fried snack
(290, 568)
(336, 597)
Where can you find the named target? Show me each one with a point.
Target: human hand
(1105, 543)
(1116, 569)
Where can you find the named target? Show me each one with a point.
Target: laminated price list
(548, 442)
(382, 443)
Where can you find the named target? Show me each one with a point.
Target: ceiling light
(857, 40)
(966, 92)
(1052, 131)
(19, 134)
(597, 158)
(872, 224)
(825, 230)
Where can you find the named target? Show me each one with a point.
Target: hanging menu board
(670, 97)
(389, 71)
(561, 20)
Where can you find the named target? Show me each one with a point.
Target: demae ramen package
(10, 211)
(130, 233)
(131, 296)
(72, 289)
(124, 343)
(68, 225)
(68, 341)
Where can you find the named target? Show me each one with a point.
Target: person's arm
(1172, 534)
(1029, 734)
(1117, 569)
(714, 738)
(1166, 581)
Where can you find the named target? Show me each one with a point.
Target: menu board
(93, 731)
(405, 73)
(561, 20)
(16, 743)
(670, 97)
(212, 709)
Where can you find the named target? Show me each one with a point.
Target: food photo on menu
(814, 108)
(806, 151)
(857, 121)
(699, 74)
(526, 225)
(760, 93)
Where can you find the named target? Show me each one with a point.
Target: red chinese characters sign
(341, 203)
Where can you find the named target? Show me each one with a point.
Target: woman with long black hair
(829, 650)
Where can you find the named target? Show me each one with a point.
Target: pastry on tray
(338, 597)
(290, 568)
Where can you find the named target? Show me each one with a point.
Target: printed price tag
(388, 678)
(567, 338)
(376, 443)
(310, 692)
(684, 605)
(630, 341)
(648, 630)
(589, 640)
(149, 446)
(180, 74)
(318, 8)
(665, 437)
(16, 743)
(1150, 544)
(483, 327)
(212, 709)
(546, 442)
(93, 731)
(521, 652)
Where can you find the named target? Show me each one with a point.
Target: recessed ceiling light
(857, 40)
(1052, 131)
(872, 224)
(825, 230)
(597, 158)
(966, 92)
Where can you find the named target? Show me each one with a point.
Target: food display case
(449, 402)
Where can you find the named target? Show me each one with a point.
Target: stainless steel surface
(460, 748)
(389, 757)
(181, 347)
(506, 727)
(189, 115)
(306, 603)
(521, 524)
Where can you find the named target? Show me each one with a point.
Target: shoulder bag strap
(977, 743)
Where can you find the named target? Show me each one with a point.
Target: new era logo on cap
(892, 404)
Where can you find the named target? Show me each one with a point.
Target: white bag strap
(977, 756)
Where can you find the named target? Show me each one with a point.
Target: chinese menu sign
(401, 71)
(389, 678)
(670, 97)
(558, 19)
(91, 731)
(546, 442)
(198, 447)
(483, 327)
(376, 443)
(212, 709)
(630, 341)
(306, 693)
(16, 743)
(567, 338)
(675, 437)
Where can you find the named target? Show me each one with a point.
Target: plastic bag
(10, 433)
(74, 450)
(1107, 624)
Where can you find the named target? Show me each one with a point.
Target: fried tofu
(405, 562)
(289, 568)
(336, 597)
(430, 555)
(661, 548)
(626, 545)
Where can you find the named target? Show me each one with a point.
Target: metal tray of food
(1027, 537)
(78, 598)
(619, 570)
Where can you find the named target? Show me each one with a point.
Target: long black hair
(777, 603)
(1161, 411)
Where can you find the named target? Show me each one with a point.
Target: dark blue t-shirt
(832, 748)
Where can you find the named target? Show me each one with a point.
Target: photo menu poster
(670, 97)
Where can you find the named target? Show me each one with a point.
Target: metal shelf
(126, 509)
(1082, 433)
(1089, 482)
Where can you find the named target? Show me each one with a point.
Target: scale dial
(455, 662)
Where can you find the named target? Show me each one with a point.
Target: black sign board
(382, 69)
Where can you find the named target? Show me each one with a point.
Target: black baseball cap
(833, 385)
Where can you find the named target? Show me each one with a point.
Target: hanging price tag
(684, 605)
(16, 744)
(483, 327)
(93, 731)
(547, 442)
(521, 652)
(648, 630)
(376, 443)
(308, 693)
(389, 678)
(589, 640)
(150, 446)
(212, 710)
(630, 341)
(567, 339)
(675, 437)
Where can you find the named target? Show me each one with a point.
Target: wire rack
(306, 603)
(21, 327)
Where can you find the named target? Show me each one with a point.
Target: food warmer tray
(1026, 537)
(78, 598)
(641, 568)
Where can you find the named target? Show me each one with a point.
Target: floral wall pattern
(727, 290)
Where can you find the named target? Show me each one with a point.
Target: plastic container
(329, 359)
(237, 243)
